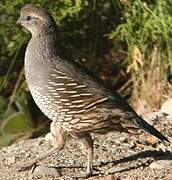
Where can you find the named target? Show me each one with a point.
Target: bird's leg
(57, 139)
(89, 147)
(88, 144)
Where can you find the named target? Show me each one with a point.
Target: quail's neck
(44, 45)
(40, 53)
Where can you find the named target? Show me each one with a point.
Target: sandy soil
(116, 156)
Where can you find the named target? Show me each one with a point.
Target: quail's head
(35, 19)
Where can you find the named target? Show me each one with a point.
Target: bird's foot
(83, 175)
(26, 165)
(31, 163)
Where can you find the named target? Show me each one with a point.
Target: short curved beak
(19, 21)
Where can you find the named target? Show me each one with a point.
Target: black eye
(28, 18)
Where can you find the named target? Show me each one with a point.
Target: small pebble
(99, 163)
(114, 170)
(161, 164)
(45, 171)
(123, 139)
(110, 177)
(169, 118)
(10, 160)
(167, 107)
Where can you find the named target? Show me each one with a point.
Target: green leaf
(15, 124)
(6, 140)
(2, 106)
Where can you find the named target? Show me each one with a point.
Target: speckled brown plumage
(69, 94)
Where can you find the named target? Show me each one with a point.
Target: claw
(26, 165)
(83, 175)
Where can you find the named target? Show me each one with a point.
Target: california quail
(67, 93)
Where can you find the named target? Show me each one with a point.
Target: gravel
(116, 156)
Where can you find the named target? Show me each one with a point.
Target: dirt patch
(122, 155)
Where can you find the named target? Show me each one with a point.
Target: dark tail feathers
(150, 129)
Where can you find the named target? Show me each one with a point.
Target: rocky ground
(117, 156)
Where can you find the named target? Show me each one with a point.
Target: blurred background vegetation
(128, 43)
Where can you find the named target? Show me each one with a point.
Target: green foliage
(114, 38)
(146, 25)
(16, 123)
(145, 29)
